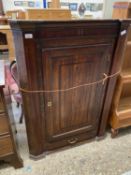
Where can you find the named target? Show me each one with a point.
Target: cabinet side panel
(28, 71)
(116, 67)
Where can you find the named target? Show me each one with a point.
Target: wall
(1, 8)
(9, 4)
(107, 12)
(93, 8)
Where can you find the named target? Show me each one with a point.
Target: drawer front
(4, 128)
(1, 105)
(6, 146)
(86, 30)
(70, 141)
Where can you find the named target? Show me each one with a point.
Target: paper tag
(123, 32)
(28, 35)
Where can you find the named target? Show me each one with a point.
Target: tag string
(103, 80)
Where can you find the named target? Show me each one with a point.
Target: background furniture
(5, 29)
(15, 14)
(55, 56)
(8, 147)
(121, 106)
(55, 4)
(52, 14)
(121, 10)
(3, 47)
(3, 20)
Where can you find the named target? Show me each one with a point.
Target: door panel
(77, 110)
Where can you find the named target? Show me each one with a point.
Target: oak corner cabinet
(56, 60)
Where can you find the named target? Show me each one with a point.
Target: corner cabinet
(57, 60)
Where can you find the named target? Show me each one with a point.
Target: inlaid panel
(74, 110)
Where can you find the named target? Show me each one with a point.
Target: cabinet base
(62, 148)
(38, 157)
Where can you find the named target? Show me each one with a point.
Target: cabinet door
(77, 110)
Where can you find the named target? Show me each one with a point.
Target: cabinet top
(41, 29)
(23, 24)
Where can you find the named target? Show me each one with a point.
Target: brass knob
(72, 141)
(49, 104)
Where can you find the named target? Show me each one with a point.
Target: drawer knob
(49, 104)
(72, 141)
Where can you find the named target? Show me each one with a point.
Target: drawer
(1, 105)
(4, 128)
(6, 146)
(72, 140)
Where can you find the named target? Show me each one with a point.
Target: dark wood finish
(55, 55)
(8, 147)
